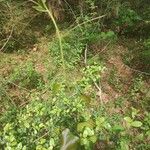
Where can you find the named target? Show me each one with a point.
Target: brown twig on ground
(41, 136)
(105, 47)
(135, 70)
(99, 91)
(10, 35)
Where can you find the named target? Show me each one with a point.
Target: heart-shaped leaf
(136, 124)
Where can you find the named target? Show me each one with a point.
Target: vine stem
(49, 12)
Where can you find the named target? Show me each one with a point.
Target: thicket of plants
(63, 109)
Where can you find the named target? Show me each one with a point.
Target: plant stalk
(49, 11)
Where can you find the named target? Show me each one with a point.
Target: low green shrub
(25, 76)
(43, 124)
(127, 20)
(145, 55)
(39, 124)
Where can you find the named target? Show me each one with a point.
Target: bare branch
(10, 35)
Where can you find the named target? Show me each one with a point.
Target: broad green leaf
(85, 133)
(124, 145)
(42, 141)
(7, 127)
(100, 120)
(128, 119)
(40, 147)
(51, 142)
(117, 128)
(24, 148)
(88, 132)
(93, 139)
(107, 126)
(136, 124)
(19, 146)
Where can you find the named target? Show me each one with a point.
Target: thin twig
(41, 137)
(85, 55)
(23, 104)
(99, 91)
(105, 47)
(7, 39)
(33, 2)
(135, 70)
(80, 24)
(76, 20)
(18, 86)
(9, 97)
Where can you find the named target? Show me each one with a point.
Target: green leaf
(128, 119)
(136, 124)
(26, 124)
(88, 132)
(42, 141)
(124, 145)
(51, 142)
(93, 139)
(19, 146)
(24, 148)
(134, 112)
(56, 87)
(107, 126)
(148, 133)
(85, 133)
(117, 128)
(82, 125)
(7, 127)
(100, 120)
(39, 8)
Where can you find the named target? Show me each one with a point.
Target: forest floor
(121, 91)
(116, 81)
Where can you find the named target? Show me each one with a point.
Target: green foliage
(147, 44)
(40, 123)
(131, 122)
(43, 120)
(110, 35)
(145, 55)
(127, 19)
(91, 74)
(25, 76)
(64, 112)
(72, 47)
(75, 43)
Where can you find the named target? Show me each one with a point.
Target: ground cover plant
(76, 77)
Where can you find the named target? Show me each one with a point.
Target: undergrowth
(53, 111)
